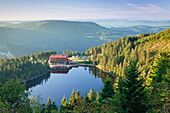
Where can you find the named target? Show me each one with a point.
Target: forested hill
(133, 93)
(114, 56)
(26, 37)
(34, 36)
(24, 67)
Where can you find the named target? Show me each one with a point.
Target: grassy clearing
(76, 59)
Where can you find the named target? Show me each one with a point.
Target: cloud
(149, 8)
(137, 7)
(149, 11)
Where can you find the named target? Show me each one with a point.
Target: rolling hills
(29, 37)
(128, 23)
(26, 37)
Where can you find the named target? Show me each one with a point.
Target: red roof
(58, 56)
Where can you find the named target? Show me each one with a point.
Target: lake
(61, 83)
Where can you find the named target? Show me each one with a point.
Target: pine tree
(48, 105)
(72, 99)
(131, 89)
(77, 95)
(160, 93)
(64, 105)
(107, 91)
(64, 102)
(13, 98)
(92, 95)
(35, 103)
(53, 106)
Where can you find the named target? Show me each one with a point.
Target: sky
(84, 9)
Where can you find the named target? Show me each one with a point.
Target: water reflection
(103, 75)
(91, 70)
(38, 81)
(61, 82)
(60, 70)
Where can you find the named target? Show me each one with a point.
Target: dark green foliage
(129, 96)
(13, 98)
(54, 106)
(38, 107)
(24, 67)
(73, 100)
(131, 89)
(114, 56)
(71, 53)
(50, 106)
(35, 103)
(160, 74)
(107, 91)
(91, 96)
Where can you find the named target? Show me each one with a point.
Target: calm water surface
(57, 85)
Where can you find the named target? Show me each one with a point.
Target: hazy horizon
(85, 20)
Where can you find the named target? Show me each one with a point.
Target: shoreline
(88, 65)
(24, 81)
(74, 65)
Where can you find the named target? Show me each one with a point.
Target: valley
(138, 64)
(84, 56)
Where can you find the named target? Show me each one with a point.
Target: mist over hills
(128, 23)
(26, 37)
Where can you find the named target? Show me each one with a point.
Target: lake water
(61, 83)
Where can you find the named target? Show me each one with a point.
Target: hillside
(24, 67)
(30, 37)
(141, 65)
(114, 56)
(146, 92)
(119, 32)
(26, 37)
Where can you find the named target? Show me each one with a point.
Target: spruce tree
(77, 95)
(131, 89)
(92, 95)
(54, 106)
(64, 102)
(14, 98)
(107, 91)
(72, 99)
(64, 105)
(160, 74)
(48, 105)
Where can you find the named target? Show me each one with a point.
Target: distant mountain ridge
(29, 37)
(34, 25)
(128, 23)
(26, 37)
